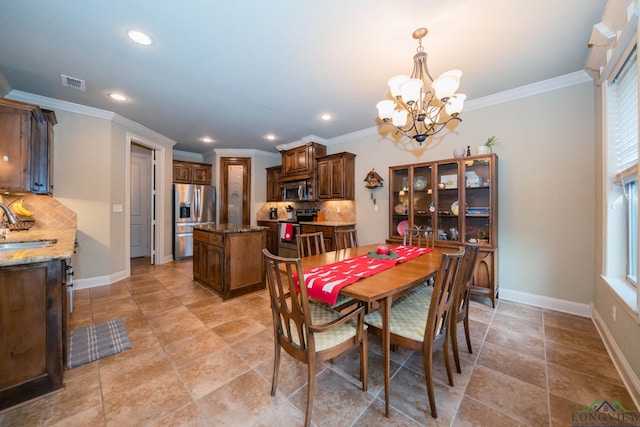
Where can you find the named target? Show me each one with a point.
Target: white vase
(483, 149)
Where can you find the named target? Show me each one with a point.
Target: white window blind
(625, 117)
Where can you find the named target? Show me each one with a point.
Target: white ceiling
(237, 70)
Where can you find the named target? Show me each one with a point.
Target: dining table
(382, 287)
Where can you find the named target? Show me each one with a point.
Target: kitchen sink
(29, 244)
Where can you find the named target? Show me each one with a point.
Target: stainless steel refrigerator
(192, 205)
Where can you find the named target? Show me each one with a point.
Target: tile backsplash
(47, 211)
(333, 210)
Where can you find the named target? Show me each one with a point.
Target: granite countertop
(229, 228)
(63, 249)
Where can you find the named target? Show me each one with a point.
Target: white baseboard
(629, 378)
(550, 303)
(93, 282)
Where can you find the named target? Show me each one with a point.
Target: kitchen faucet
(10, 216)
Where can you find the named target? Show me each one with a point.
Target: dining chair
(310, 244)
(419, 237)
(461, 300)
(345, 239)
(308, 331)
(420, 320)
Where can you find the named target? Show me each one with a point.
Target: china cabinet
(457, 199)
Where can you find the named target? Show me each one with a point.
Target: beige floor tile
(580, 341)
(525, 344)
(476, 414)
(519, 311)
(510, 396)
(147, 402)
(596, 365)
(255, 349)
(283, 415)
(244, 401)
(520, 326)
(235, 330)
(188, 416)
(573, 323)
(212, 371)
(584, 389)
(526, 368)
(194, 346)
(374, 416)
(337, 401)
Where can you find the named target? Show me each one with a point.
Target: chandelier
(422, 106)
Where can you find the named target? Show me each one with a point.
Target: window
(622, 143)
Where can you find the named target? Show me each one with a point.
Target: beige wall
(546, 179)
(82, 178)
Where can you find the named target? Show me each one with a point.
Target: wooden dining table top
(394, 281)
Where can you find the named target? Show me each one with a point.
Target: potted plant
(487, 147)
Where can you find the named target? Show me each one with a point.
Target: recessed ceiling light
(270, 137)
(326, 117)
(139, 37)
(117, 97)
(207, 139)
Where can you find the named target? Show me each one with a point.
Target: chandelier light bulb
(395, 82)
(455, 104)
(385, 109)
(410, 90)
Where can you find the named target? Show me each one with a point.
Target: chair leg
(447, 361)
(428, 374)
(364, 362)
(311, 386)
(467, 334)
(454, 345)
(276, 368)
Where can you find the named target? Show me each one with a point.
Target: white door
(140, 201)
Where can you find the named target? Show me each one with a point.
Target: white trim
(555, 83)
(302, 141)
(565, 306)
(629, 378)
(93, 282)
(56, 104)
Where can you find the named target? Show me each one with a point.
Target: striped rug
(94, 342)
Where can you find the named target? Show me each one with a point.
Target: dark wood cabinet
(32, 330)
(274, 187)
(229, 263)
(456, 198)
(336, 176)
(191, 172)
(300, 162)
(272, 235)
(26, 148)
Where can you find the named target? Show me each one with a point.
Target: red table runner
(324, 282)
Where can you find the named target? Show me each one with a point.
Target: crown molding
(56, 104)
(246, 152)
(302, 141)
(486, 101)
(5, 87)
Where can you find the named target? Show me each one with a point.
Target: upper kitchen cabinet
(300, 162)
(274, 188)
(191, 172)
(336, 176)
(26, 148)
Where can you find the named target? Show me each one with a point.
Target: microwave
(295, 190)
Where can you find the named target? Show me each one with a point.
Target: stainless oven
(287, 247)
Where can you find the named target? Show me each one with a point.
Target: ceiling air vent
(72, 82)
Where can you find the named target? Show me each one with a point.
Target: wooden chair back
(461, 299)
(308, 331)
(345, 239)
(419, 237)
(310, 244)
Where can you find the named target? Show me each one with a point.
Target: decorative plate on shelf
(400, 209)
(419, 183)
(454, 208)
(402, 226)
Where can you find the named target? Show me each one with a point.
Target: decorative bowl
(419, 183)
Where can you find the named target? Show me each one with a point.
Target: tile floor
(196, 360)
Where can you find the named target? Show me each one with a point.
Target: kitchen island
(227, 258)
(33, 314)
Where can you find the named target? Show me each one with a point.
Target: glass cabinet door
(448, 207)
(477, 174)
(423, 206)
(399, 201)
